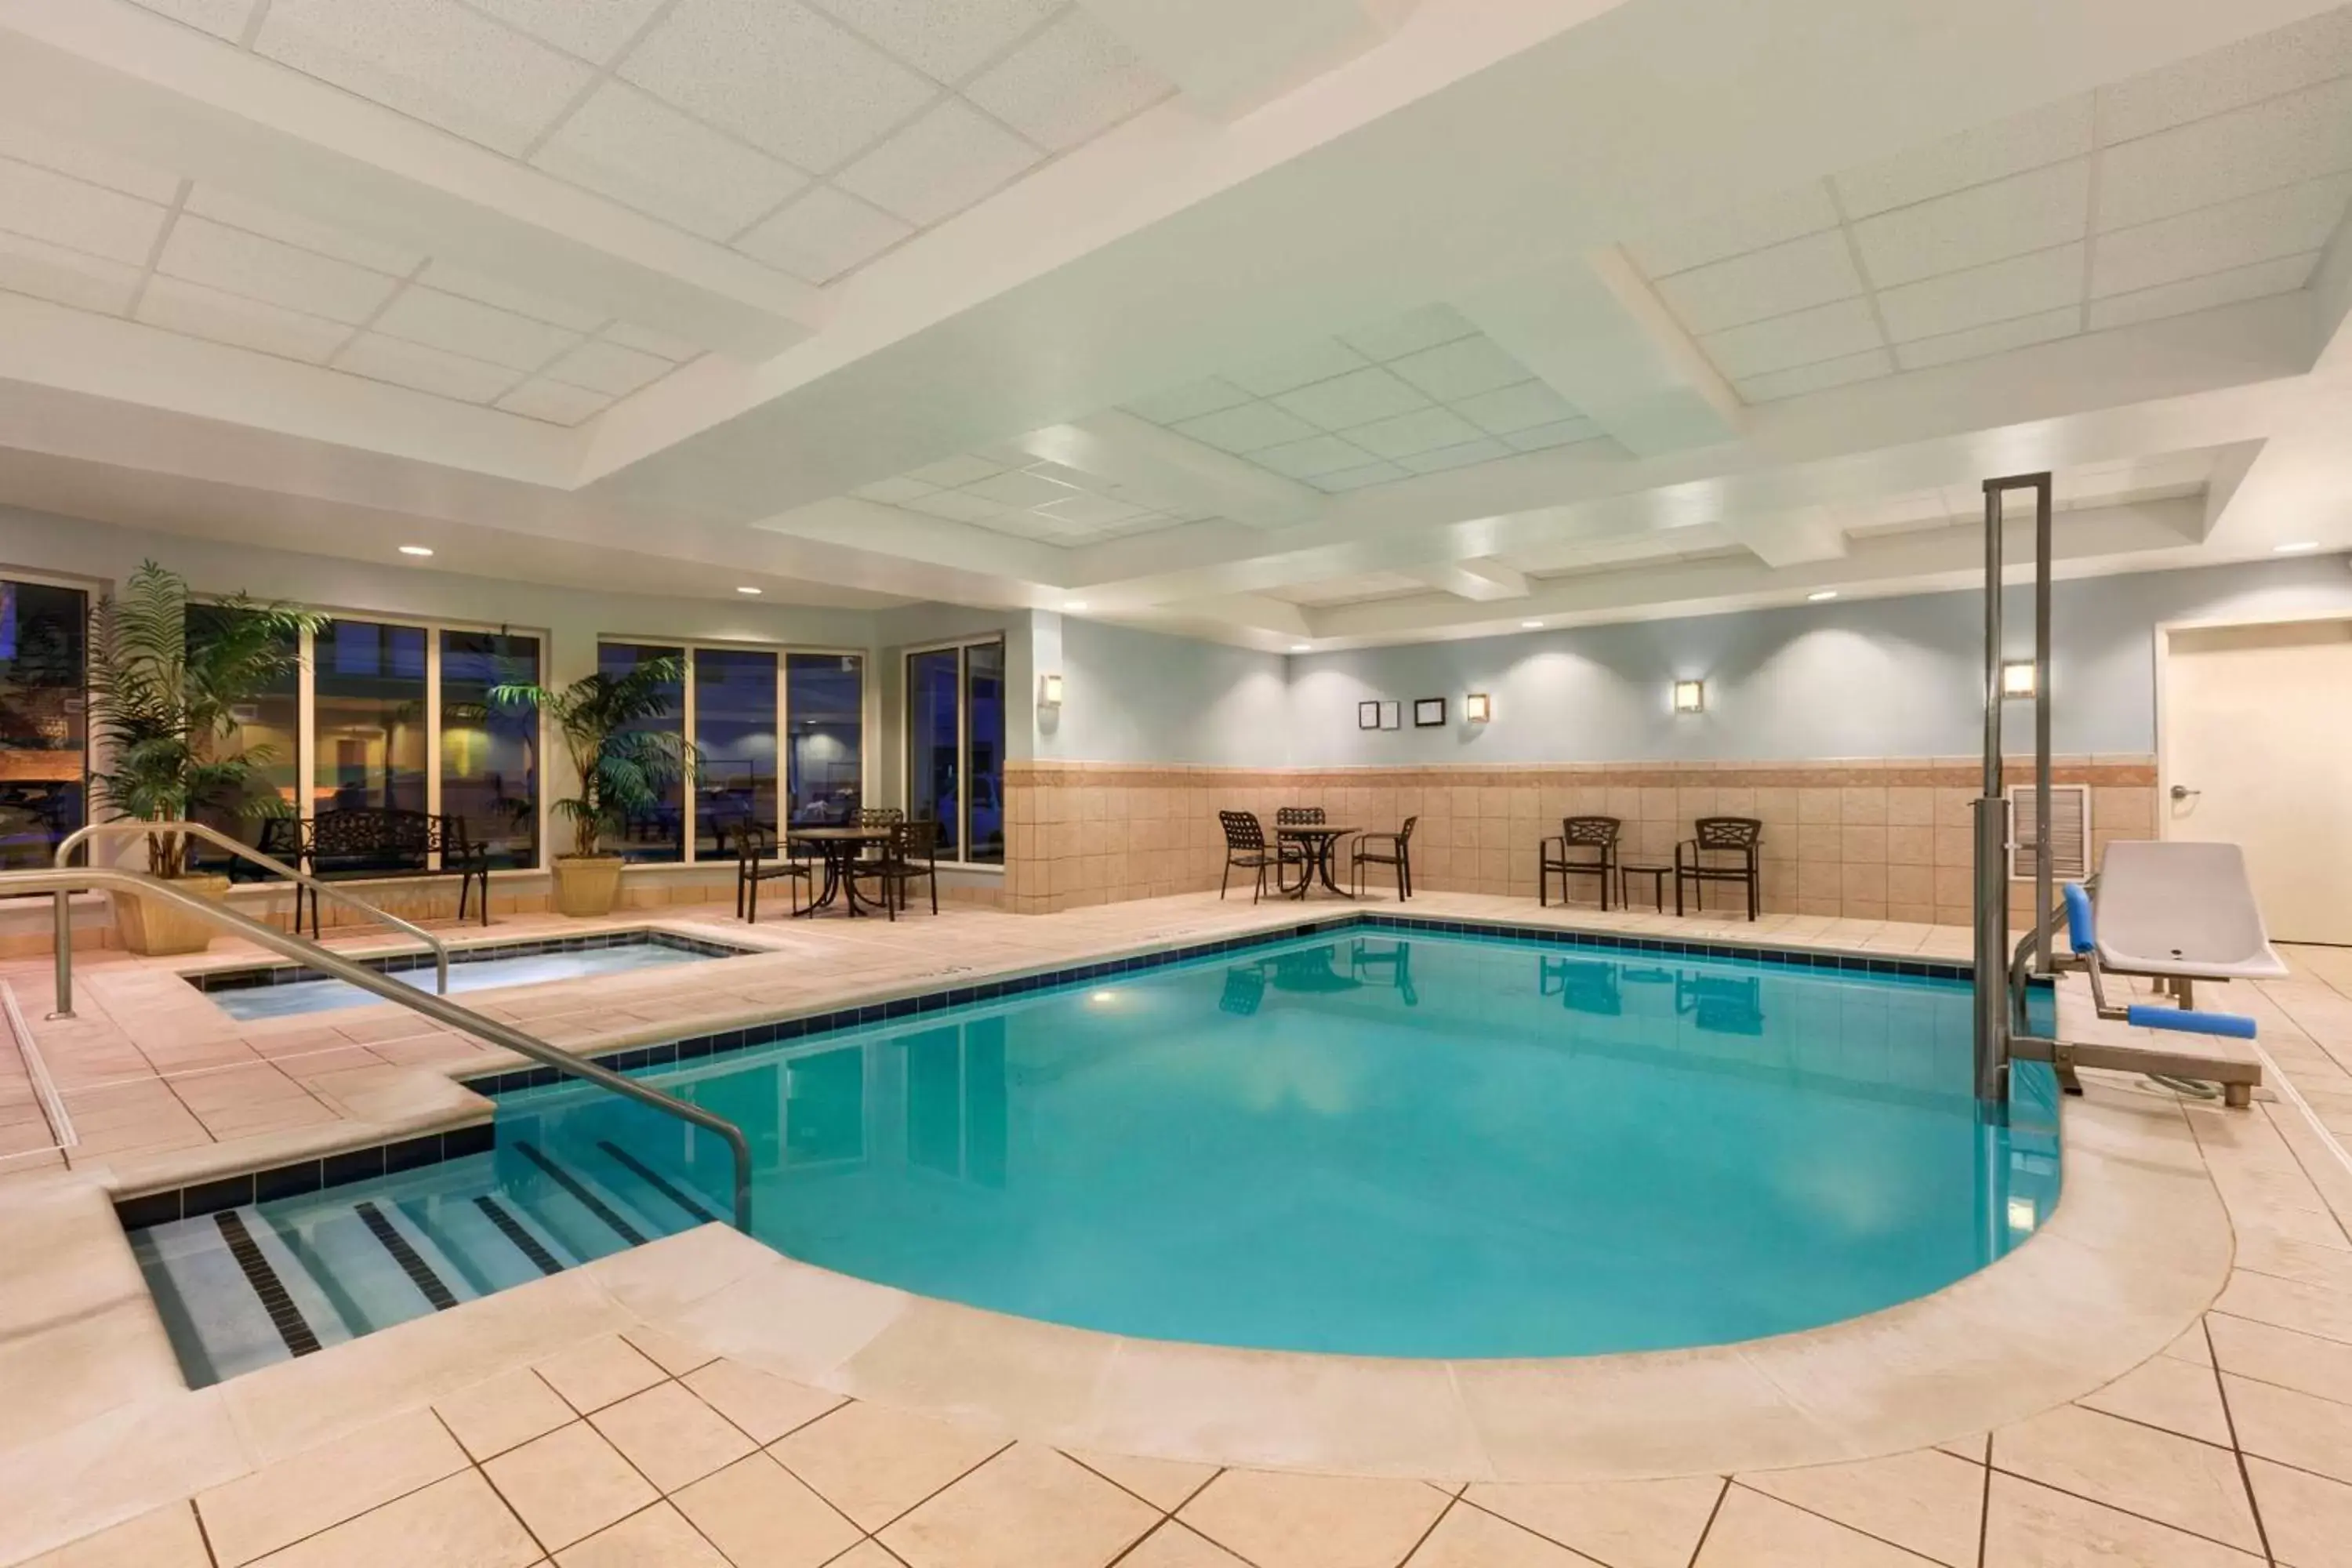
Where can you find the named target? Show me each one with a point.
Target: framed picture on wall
(1429, 712)
(1392, 715)
(1368, 715)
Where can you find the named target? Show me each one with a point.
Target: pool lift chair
(2172, 912)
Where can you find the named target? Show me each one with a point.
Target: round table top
(839, 835)
(1308, 829)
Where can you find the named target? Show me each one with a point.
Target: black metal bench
(377, 843)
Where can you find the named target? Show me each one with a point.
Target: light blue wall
(1143, 697)
(1862, 679)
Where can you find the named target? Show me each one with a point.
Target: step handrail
(214, 836)
(440, 1009)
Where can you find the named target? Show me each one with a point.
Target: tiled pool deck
(2165, 1371)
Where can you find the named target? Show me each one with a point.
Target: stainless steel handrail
(214, 836)
(440, 1009)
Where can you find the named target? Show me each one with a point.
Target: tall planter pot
(152, 927)
(587, 886)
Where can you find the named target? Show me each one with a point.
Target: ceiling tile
(1357, 479)
(1820, 376)
(628, 145)
(202, 312)
(222, 18)
(1409, 333)
(1484, 449)
(554, 402)
(592, 29)
(2214, 240)
(433, 59)
(2020, 286)
(309, 233)
(958, 506)
(938, 166)
(1985, 222)
(1315, 455)
(1077, 510)
(678, 350)
(2028, 141)
(1247, 428)
(2229, 78)
(65, 277)
(1068, 84)
(505, 296)
(1423, 431)
(203, 251)
(1510, 408)
(80, 216)
(952, 473)
(949, 42)
(1020, 488)
(2278, 143)
(1559, 433)
(608, 367)
(1182, 403)
(1996, 339)
(779, 75)
(1804, 210)
(423, 369)
(822, 234)
(1356, 398)
(2238, 283)
(893, 492)
(1462, 368)
(1801, 273)
(31, 145)
(1318, 361)
(1825, 331)
(442, 321)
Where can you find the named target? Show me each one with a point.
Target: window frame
(961, 648)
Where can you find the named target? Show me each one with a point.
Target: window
(44, 721)
(955, 747)
(778, 737)
(367, 683)
(269, 727)
(489, 750)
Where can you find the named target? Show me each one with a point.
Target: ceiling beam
(1230, 55)
(1256, 612)
(1483, 580)
(1157, 468)
(1793, 539)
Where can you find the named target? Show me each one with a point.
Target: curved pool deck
(2083, 1352)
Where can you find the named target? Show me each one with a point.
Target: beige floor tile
(658, 1537)
(2328, 1267)
(1466, 1538)
(2177, 1396)
(2191, 1347)
(1027, 1508)
(2248, 1349)
(1173, 1546)
(1314, 1521)
(674, 1356)
(1166, 1484)
(597, 1371)
(167, 1538)
(671, 1436)
(504, 1411)
(1625, 1524)
(2287, 1304)
(2172, 1480)
(1926, 1502)
(761, 1516)
(2030, 1526)
(455, 1524)
(2298, 1429)
(283, 1502)
(2307, 1518)
(1752, 1530)
(569, 1484)
(874, 1464)
(764, 1406)
(866, 1554)
(1972, 1449)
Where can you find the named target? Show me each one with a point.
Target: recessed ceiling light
(1822, 593)
(746, 588)
(1302, 647)
(2300, 547)
(416, 550)
(1530, 623)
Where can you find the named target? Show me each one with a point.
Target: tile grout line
(2237, 1452)
(1707, 1529)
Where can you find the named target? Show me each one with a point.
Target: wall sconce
(1476, 708)
(2016, 678)
(1049, 690)
(1690, 696)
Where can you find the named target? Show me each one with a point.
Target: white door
(2257, 736)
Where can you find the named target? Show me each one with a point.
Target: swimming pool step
(249, 1287)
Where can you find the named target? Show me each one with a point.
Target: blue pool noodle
(2194, 1023)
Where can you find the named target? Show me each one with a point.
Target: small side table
(1627, 871)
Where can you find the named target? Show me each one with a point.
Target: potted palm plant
(166, 678)
(621, 771)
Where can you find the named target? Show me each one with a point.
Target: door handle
(2182, 792)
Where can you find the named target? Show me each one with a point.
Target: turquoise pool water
(1411, 1145)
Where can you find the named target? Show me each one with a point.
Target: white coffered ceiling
(1393, 321)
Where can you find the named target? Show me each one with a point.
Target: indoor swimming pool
(1383, 1141)
(280, 991)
